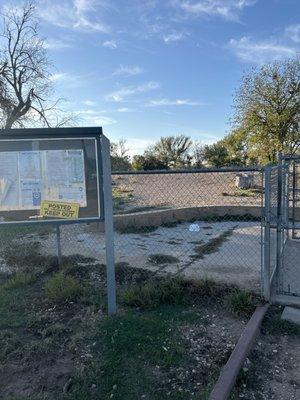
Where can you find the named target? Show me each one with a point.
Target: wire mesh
(194, 225)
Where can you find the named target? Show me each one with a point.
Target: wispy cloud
(89, 103)
(249, 50)
(75, 14)
(293, 32)
(124, 110)
(227, 9)
(138, 146)
(126, 70)
(177, 102)
(68, 80)
(110, 44)
(125, 92)
(94, 118)
(57, 44)
(174, 37)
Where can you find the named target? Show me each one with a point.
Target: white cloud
(59, 76)
(123, 110)
(57, 44)
(94, 118)
(77, 14)
(110, 44)
(124, 70)
(89, 102)
(168, 102)
(293, 32)
(68, 80)
(121, 94)
(259, 52)
(137, 146)
(174, 37)
(227, 9)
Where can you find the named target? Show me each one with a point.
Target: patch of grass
(143, 209)
(229, 217)
(212, 246)
(158, 259)
(61, 287)
(243, 193)
(136, 229)
(196, 241)
(174, 242)
(19, 279)
(13, 310)
(135, 352)
(241, 303)
(170, 224)
(151, 294)
(27, 256)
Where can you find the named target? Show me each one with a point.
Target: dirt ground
(183, 190)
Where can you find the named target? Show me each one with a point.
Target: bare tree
(119, 148)
(25, 84)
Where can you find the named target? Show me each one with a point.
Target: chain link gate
(281, 232)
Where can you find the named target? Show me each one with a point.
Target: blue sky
(148, 68)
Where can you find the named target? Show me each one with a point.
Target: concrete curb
(230, 371)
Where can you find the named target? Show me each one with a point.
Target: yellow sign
(59, 209)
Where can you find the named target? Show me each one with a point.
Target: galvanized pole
(58, 243)
(266, 240)
(279, 223)
(109, 227)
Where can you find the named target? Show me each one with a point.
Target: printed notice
(58, 209)
(29, 177)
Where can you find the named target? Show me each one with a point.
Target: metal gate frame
(278, 219)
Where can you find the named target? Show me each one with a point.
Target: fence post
(279, 223)
(58, 243)
(109, 228)
(266, 240)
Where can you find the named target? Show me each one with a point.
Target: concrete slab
(291, 314)
(234, 260)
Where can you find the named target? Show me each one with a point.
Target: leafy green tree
(147, 162)
(172, 151)
(216, 155)
(237, 147)
(267, 108)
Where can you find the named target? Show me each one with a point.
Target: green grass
(136, 229)
(243, 193)
(19, 279)
(228, 217)
(241, 303)
(212, 246)
(133, 353)
(61, 287)
(154, 294)
(159, 259)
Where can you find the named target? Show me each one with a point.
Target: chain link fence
(193, 224)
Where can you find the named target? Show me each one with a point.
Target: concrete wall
(159, 217)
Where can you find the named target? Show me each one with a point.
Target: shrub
(19, 279)
(61, 287)
(154, 294)
(241, 303)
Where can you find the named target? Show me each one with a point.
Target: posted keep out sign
(59, 209)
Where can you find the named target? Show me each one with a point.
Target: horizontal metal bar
(189, 171)
(52, 222)
(36, 133)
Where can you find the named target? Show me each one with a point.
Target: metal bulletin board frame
(104, 190)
